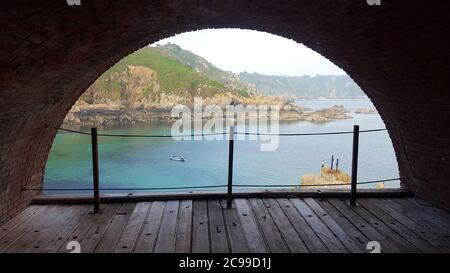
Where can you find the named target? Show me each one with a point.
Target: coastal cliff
(147, 84)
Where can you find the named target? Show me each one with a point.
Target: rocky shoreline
(105, 115)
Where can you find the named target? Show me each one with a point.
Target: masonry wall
(397, 52)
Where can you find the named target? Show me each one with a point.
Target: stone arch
(51, 52)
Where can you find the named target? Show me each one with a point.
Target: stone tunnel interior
(51, 52)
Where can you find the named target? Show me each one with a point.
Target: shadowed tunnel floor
(251, 225)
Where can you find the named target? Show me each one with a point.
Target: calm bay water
(144, 162)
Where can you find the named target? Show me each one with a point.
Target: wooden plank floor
(252, 225)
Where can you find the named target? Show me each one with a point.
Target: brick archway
(397, 52)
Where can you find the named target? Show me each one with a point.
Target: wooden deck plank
(18, 231)
(427, 214)
(133, 228)
(59, 236)
(251, 225)
(165, 242)
(270, 231)
(56, 222)
(90, 239)
(184, 228)
(235, 232)
(114, 231)
(396, 226)
(438, 231)
(146, 240)
(434, 214)
(27, 237)
(200, 232)
(419, 218)
(217, 230)
(346, 240)
(345, 224)
(255, 241)
(364, 227)
(20, 219)
(312, 241)
(322, 231)
(292, 239)
(398, 240)
(425, 233)
(86, 223)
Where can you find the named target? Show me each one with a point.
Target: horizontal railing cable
(321, 185)
(309, 134)
(285, 185)
(73, 131)
(128, 189)
(217, 186)
(382, 181)
(139, 135)
(220, 133)
(161, 136)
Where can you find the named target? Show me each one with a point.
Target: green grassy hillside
(317, 86)
(169, 75)
(202, 66)
(147, 74)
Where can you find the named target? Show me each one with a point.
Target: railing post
(354, 165)
(230, 168)
(95, 173)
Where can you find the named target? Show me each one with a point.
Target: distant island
(145, 85)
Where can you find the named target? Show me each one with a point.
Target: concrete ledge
(330, 193)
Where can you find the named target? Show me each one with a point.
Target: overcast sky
(253, 51)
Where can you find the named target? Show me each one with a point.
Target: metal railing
(229, 186)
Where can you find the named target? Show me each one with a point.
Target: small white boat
(177, 158)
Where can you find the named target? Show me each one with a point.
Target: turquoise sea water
(144, 162)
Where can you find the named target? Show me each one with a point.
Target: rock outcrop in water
(366, 111)
(328, 114)
(326, 176)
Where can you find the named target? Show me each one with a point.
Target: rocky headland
(83, 114)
